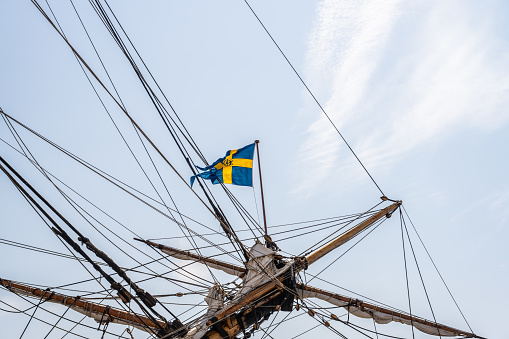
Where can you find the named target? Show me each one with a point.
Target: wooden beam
(191, 256)
(261, 188)
(343, 238)
(140, 321)
(395, 314)
(267, 287)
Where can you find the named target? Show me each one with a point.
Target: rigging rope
(359, 162)
(332, 234)
(348, 250)
(112, 180)
(52, 313)
(41, 169)
(420, 274)
(313, 96)
(222, 222)
(61, 317)
(45, 322)
(145, 297)
(406, 274)
(191, 240)
(32, 316)
(436, 268)
(160, 109)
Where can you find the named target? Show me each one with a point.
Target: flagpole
(261, 189)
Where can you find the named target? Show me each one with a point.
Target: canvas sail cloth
(100, 313)
(379, 314)
(259, 270)
(235, 168)
(215, 302)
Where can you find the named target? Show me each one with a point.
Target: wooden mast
(89, 308)
(186, 255)
(261, 190)
(224, 319)
(327, 248)
(364, 306)
(313, 257)
(146, 324)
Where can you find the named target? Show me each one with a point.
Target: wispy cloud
(406, 73)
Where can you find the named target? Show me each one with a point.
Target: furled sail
(354, 306)
(212, 263)
(380, 314)
(100, 313)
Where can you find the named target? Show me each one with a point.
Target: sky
(419, 89)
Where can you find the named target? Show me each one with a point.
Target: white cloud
(393, 76)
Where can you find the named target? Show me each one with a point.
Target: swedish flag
(235, 168)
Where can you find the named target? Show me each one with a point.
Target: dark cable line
(52, 313)
(75, 325)
(62, 241)
(144, 172)
(81, 292)
(374, 325)
(406, 273)
(144, 297)
(191, 140)
(131, 119)
(379, 333)
(61, 317)
(343, 322)
(32, 316)
(45, 322)
(62, 234)
(436, 268)
(111, 179)
(379, 222)
(280, 322)
(312, 328)
(39, 167)
(313, 96)
(160, 108)
(420, 274)
(100, 263)
(336, 219)
(345, 223)
(240, 209)
(332, 234)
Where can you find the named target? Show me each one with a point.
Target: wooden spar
(267, 287)
(313, 257)
(340, 240)
(231, 325)
(169, 250)
(246, 300)
(395, 314)
(261, 294)
(140, 321)
(261, 189)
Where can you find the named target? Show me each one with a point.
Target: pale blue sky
(419, 89)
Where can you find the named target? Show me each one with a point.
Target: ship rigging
(261, 278)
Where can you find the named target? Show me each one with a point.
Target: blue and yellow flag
(235, 168)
